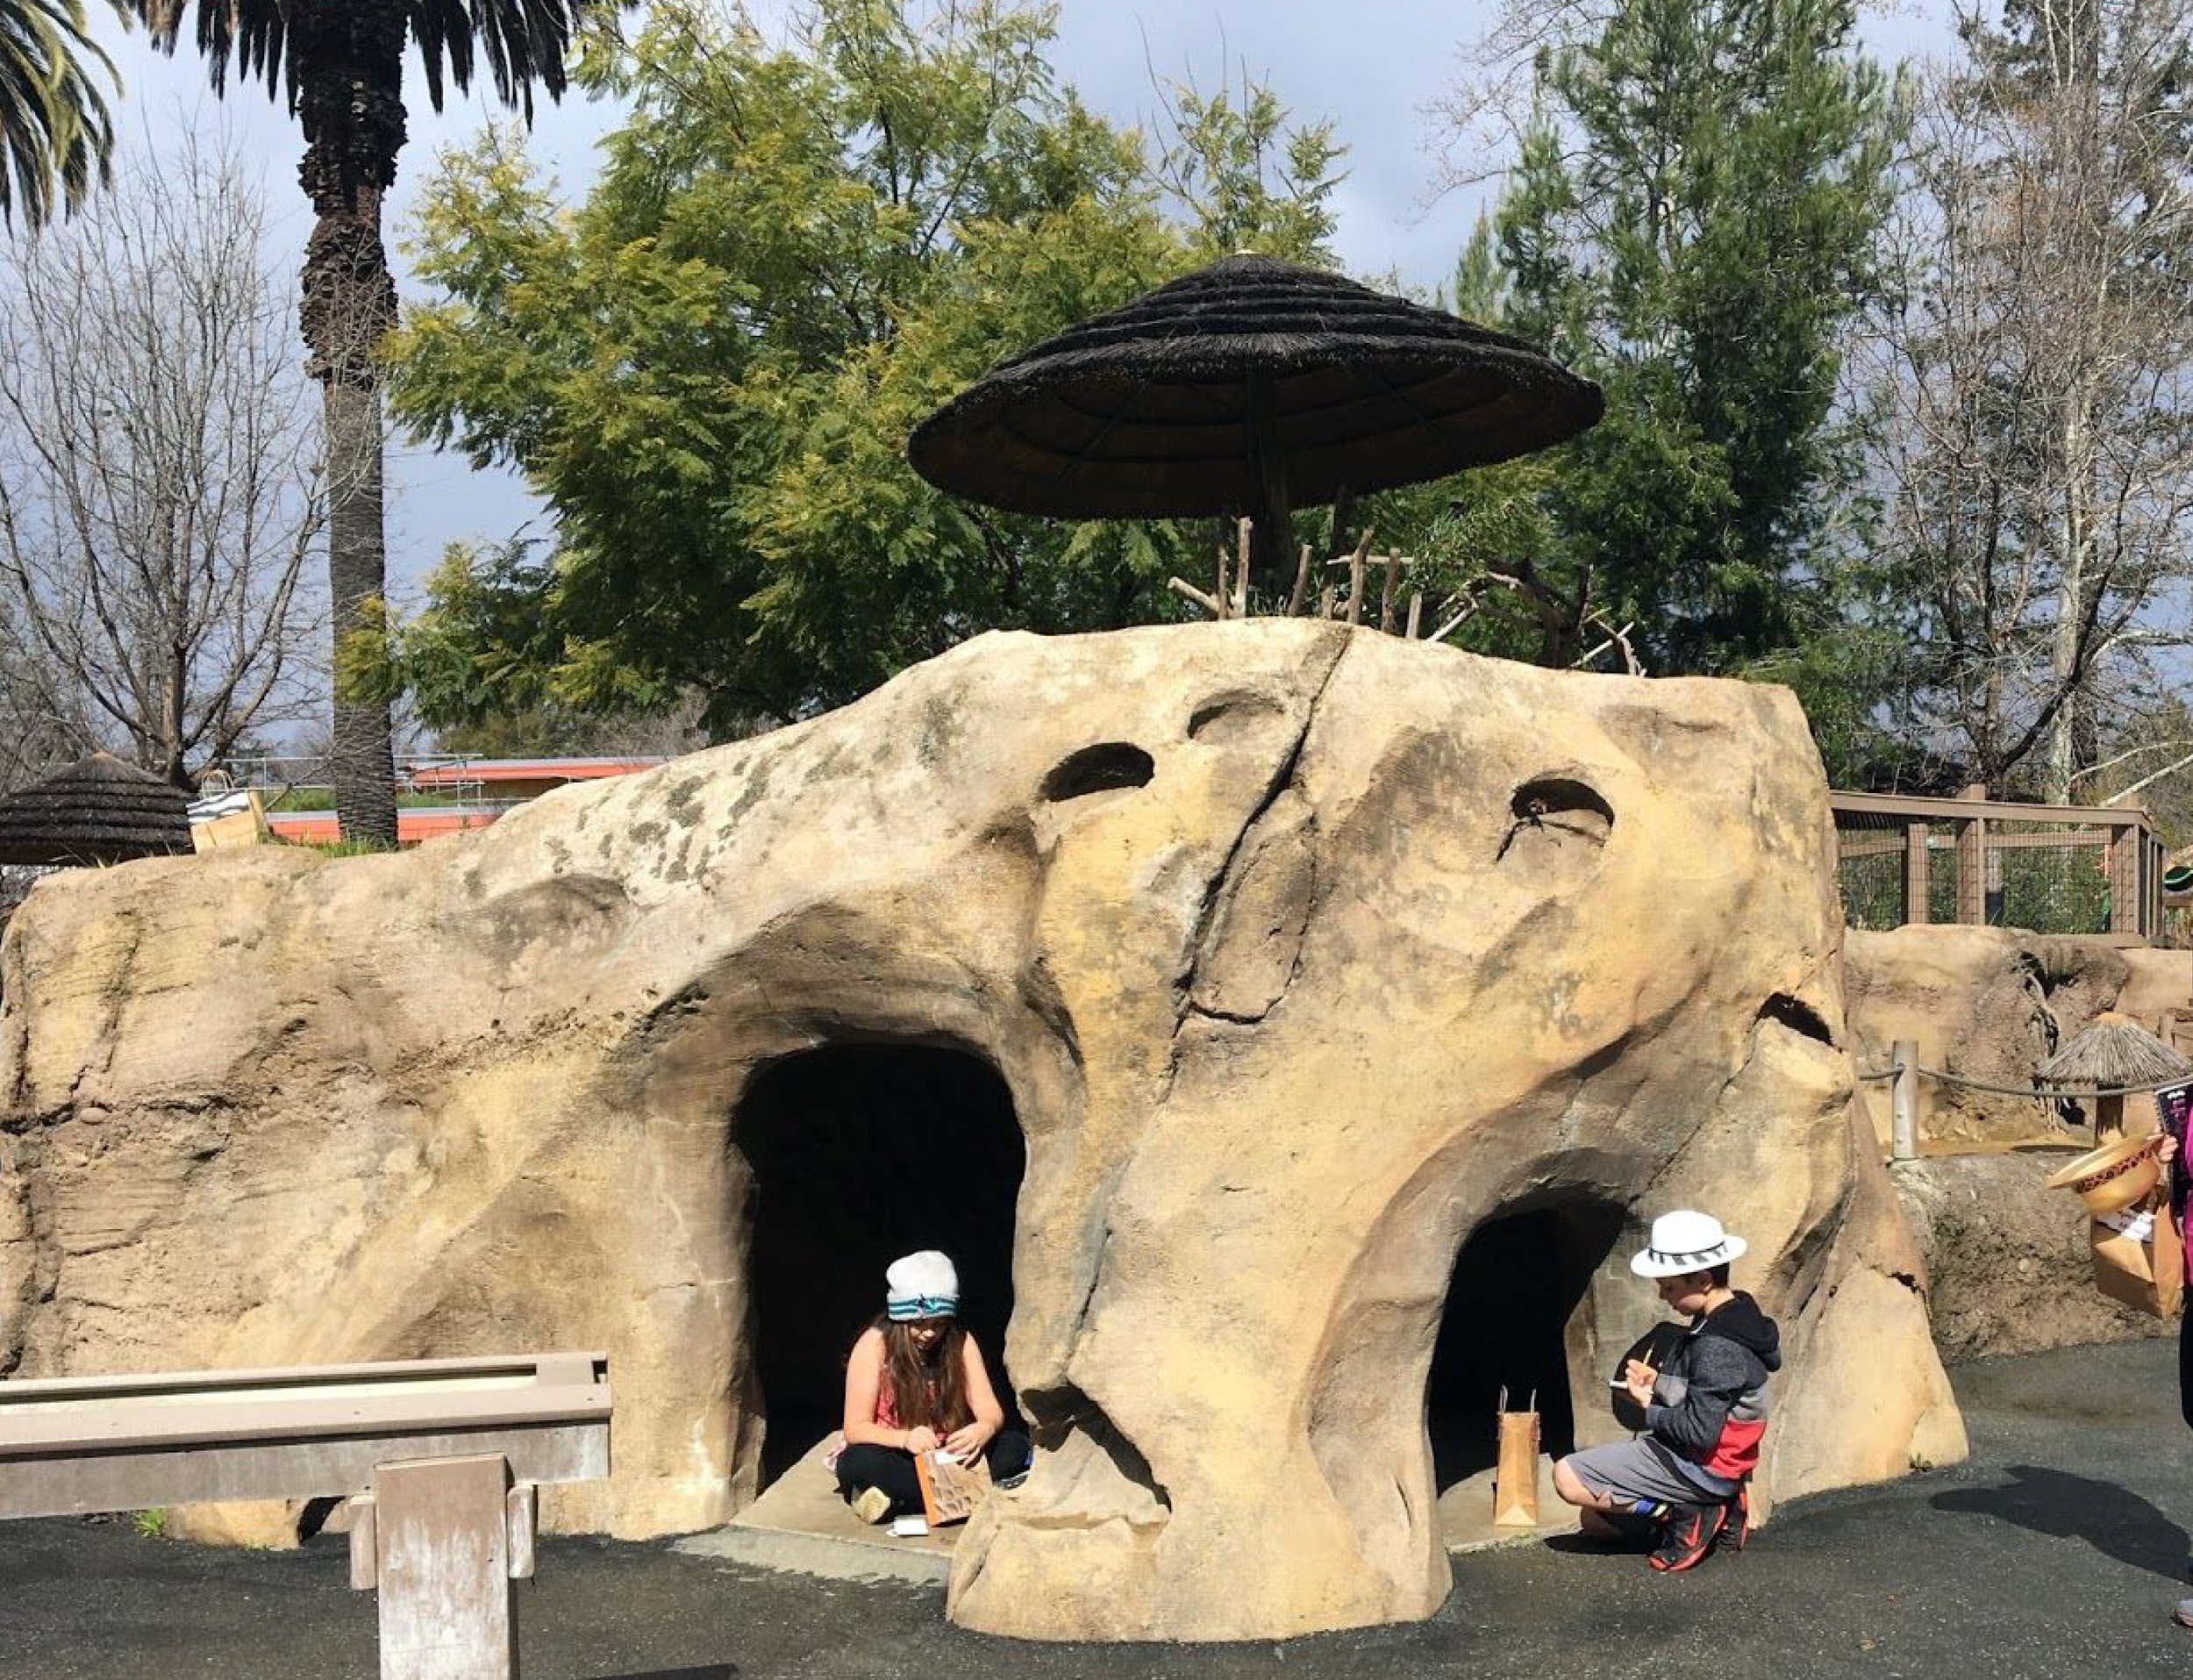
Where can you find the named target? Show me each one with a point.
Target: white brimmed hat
(1685, 1242)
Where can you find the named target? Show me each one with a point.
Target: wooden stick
(1302, 584)
(1355, 578)
(1454, 622)
(1188, 591)
(1416, 612)
(1386, 595)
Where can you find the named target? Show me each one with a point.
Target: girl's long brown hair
(927, 1390)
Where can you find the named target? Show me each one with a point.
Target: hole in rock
(1559, 810)
(1518, 1315)
(863, 1153)
(1238, 712)
(1798, 1015)
(1097, 770)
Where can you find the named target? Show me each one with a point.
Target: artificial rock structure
(1303, 953)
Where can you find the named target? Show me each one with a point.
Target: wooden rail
(440, 1460)
(2128, 858)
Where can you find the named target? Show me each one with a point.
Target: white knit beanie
(923, 1285)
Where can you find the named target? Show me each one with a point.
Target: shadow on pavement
(2117, 1524)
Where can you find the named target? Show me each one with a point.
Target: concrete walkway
(2056, 1552)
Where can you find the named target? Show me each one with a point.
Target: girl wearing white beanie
(916, 1381)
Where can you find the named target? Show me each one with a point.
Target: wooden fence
(2080, 871)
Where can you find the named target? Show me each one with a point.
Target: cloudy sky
(1376, 67)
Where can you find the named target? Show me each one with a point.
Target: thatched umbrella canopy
(98, 810)
(2113, 1051)
(1252, 386)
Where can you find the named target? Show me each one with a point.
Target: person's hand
(967, 1444)
(2166, 1149)
(921, 1438)
(1639, 1377)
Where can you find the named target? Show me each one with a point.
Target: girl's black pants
(868, 1466)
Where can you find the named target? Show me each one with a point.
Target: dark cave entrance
(1518, 1316)
(861, 1153)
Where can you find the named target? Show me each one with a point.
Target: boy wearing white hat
(1705, 1407)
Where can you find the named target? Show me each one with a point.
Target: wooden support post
(1302, 584)
(2124, 878)
(1268, 474)
(1972, 871)
(1904, 1100)
(442, 1560)
(1915, 906)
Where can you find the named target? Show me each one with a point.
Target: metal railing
(2079, 871)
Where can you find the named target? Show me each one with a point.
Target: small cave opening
(861, 1153)
(1098, 769)
(1518, 1316)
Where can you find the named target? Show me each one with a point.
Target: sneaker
(1737, 1528)
(872, 1504)
(1007, 1483)
(1689, 1536)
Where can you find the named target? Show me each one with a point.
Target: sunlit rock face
(1303, 953)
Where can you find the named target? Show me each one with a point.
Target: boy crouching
(1683, 1480)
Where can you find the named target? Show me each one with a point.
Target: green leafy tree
(793, 254)
(55, 134)
(1692, 222)
(341, 64)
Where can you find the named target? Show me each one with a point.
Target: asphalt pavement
(2055, 1552)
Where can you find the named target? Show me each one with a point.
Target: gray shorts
(1643, 1469)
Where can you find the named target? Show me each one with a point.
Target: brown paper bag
(950, 1490)
(1515, 1483)
(2149, 1276)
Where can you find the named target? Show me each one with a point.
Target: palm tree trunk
(351, 106)
(364, 763)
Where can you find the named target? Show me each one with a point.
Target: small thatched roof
(1144, 412)
(98, 810)
(2115, 1053)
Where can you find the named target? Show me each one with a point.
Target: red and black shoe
(1737, 1527)
(1688, 1537)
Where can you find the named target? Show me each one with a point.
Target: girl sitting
(916, 1381)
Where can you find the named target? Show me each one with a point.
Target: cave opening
(1518, 1317)
(861, 1152)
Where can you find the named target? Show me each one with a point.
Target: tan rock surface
(1988, 1003)
(1393, 941)
(2007, 1259)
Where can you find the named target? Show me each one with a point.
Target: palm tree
(55, 130)
(341, 64)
